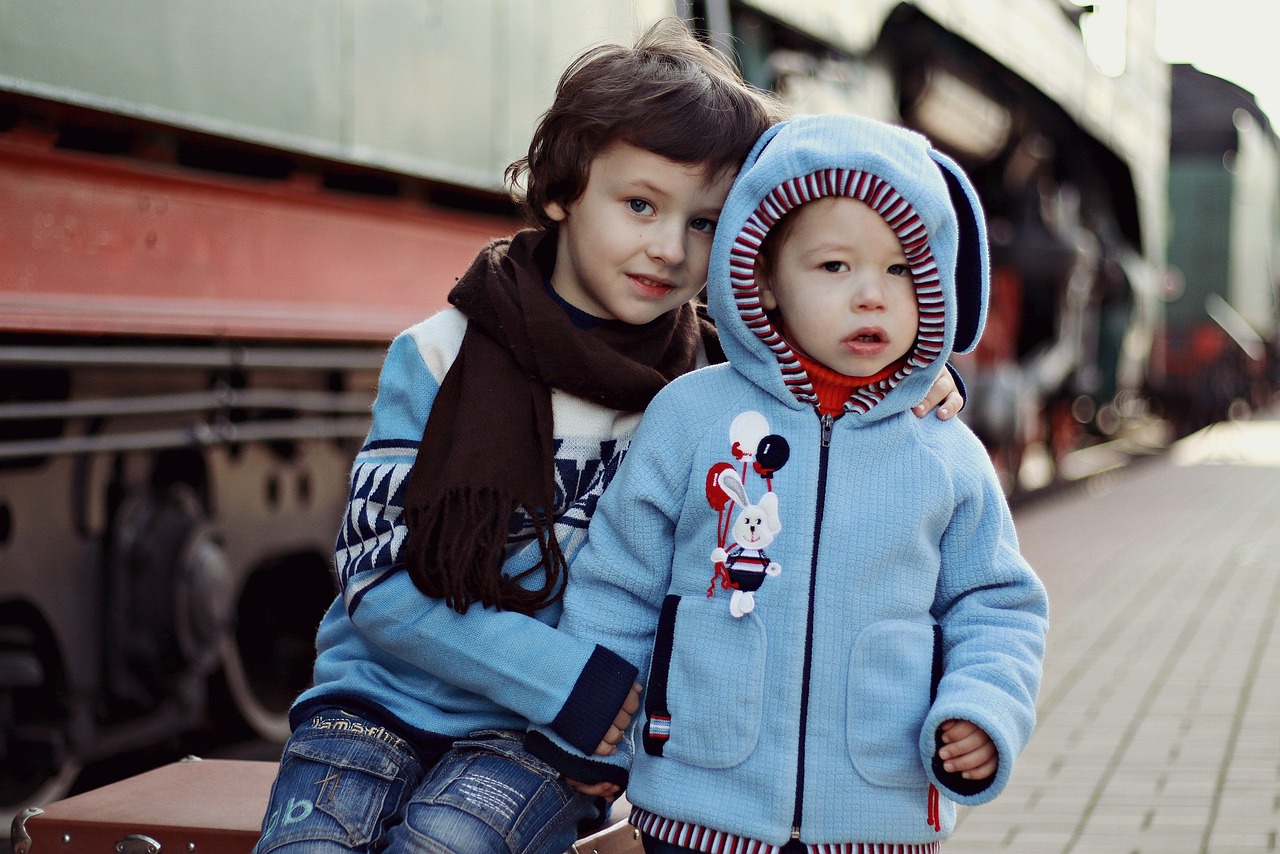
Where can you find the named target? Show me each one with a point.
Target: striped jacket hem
(689, 835)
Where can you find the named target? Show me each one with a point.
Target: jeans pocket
(477, 799)
(508, 744)
(337, 785)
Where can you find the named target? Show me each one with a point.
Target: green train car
(1217, 351)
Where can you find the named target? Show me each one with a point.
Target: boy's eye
(834, 266)
(899, 270)
(639, 206)
(707, 226)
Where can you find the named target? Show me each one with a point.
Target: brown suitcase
(619, 838)
(196, 806)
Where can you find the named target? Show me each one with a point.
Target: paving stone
(1159, 725)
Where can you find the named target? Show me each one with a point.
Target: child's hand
(608, 791)
(619, 728)
(968, 750)
(944, 395)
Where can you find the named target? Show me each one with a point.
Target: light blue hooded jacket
(891, 593)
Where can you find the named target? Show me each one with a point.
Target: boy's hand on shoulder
(944, 396)
(967, 750)
(621, 722)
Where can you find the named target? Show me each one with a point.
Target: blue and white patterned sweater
(409, 661)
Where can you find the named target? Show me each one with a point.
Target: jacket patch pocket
(890, 672)
(714, 681)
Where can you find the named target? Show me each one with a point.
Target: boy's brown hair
(668, 94)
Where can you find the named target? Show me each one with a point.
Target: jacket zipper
(827, 423)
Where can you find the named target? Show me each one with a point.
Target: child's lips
(652, 287)
(870, 341)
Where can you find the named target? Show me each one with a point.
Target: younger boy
(497, 425)
(825, 593)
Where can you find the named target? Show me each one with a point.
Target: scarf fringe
(463, 570)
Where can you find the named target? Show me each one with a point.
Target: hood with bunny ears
(923, 196)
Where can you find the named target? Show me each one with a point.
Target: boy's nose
(868, 295)
(666, 245)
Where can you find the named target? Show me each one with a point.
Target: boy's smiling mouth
(650, 287)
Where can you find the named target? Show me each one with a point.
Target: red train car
(186, 365)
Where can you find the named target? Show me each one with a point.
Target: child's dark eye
(707, 226)
(899, 270)
(639, 206)
(834, 266)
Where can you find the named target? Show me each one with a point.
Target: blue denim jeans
(347, 784)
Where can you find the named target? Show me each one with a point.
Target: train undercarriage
(201, 524)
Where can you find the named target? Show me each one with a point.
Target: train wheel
(267, 660)
(169, 597)
(36, 762)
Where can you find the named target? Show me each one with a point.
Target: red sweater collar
(834, 389)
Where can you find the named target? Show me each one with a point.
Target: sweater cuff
(955, 375)
(954, 780)
(599, 693)
(572, 766)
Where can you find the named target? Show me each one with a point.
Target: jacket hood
(921, 193)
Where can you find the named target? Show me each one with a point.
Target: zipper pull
(795, 833)
(827, 422)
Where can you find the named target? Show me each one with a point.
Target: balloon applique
(771, 454)
(717, 497)
(745, 434)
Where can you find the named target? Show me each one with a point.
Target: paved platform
(1159, 714)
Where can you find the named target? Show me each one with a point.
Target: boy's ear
(555, 211)
(764, 286)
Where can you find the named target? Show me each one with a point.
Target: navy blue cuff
(953, 780)
(571, 766)
(599, 693)
(955, 375)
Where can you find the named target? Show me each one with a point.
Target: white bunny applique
(744, 566)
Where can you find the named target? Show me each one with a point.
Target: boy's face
(636, 243)
(841, 284)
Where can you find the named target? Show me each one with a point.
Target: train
(1070, 157)
(1216, 354)
(214, 219)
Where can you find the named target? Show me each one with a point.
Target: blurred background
(214, 217)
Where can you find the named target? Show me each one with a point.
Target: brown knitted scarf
(487, 449)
